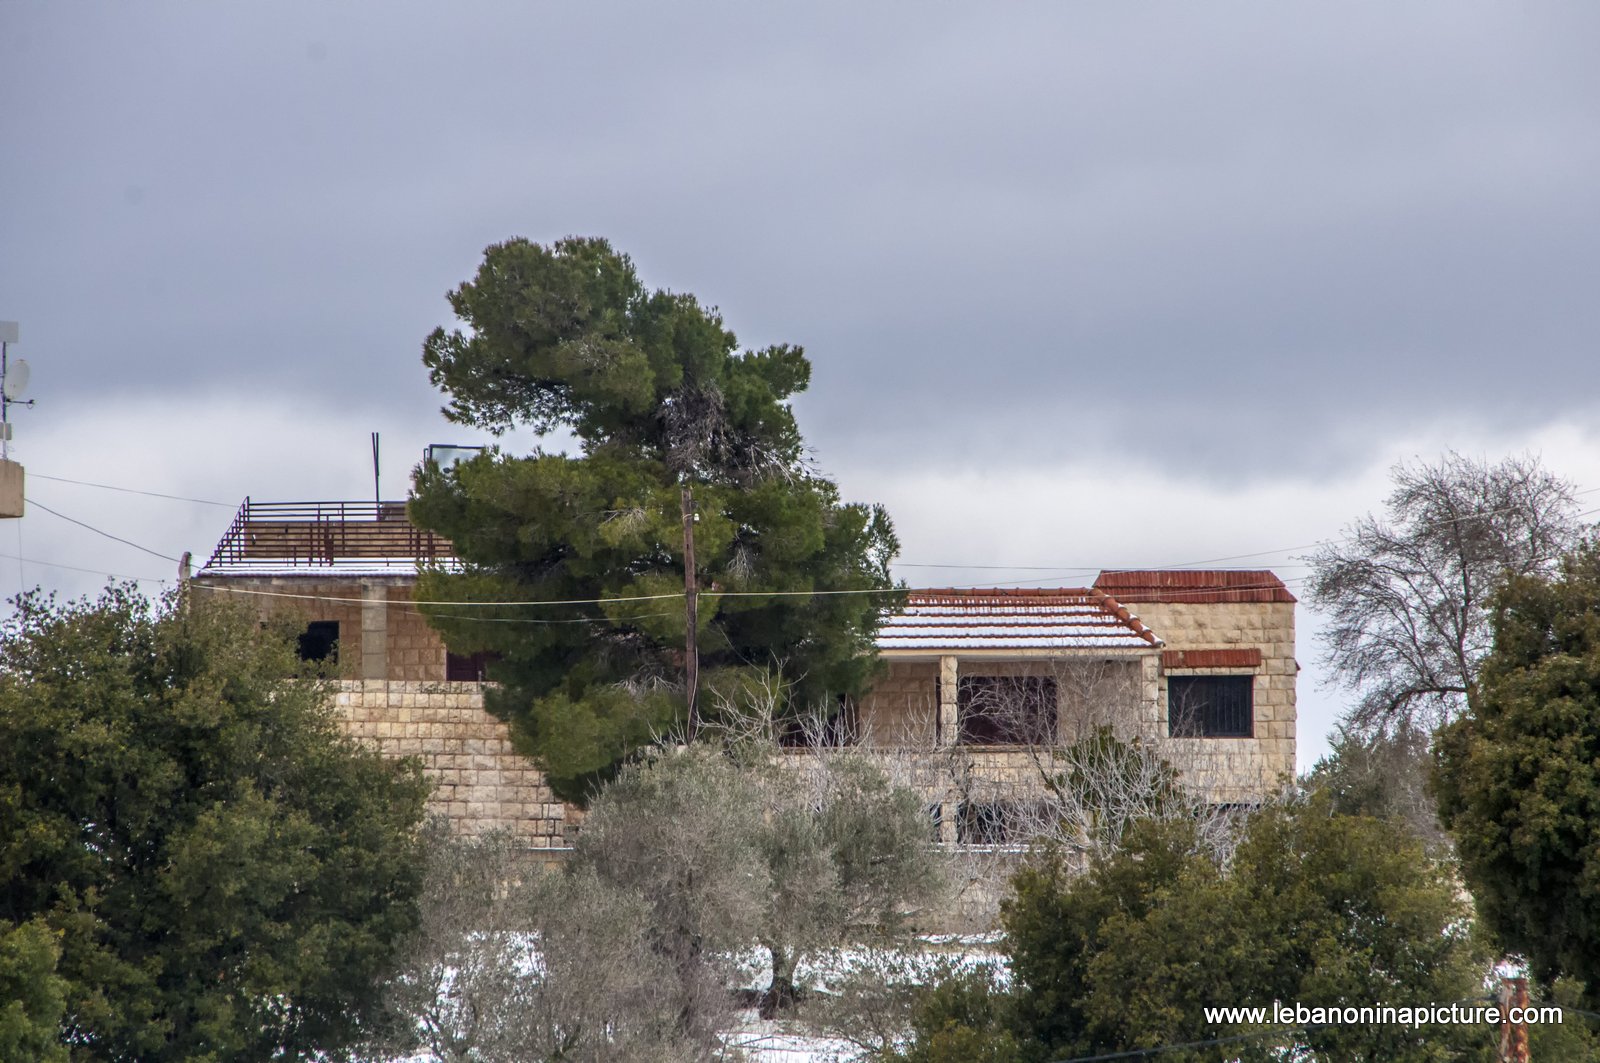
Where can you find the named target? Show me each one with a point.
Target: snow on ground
(787, 1040)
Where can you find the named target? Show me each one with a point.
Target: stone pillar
(948, 731)
(374, 632)
(948, 811)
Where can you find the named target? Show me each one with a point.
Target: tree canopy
(1518, 776)
(1408, 595)
(665, 411)
(1314, 908)
(194, 865)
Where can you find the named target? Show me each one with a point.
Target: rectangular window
(1211, 706)
(1006, 710)
(320, 641)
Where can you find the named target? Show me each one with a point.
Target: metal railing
(323, 534)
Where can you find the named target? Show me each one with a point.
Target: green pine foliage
(1518, 777)
(32, 994)
(658, 397)
(222, 876)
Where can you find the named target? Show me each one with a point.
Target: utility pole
(691, 591)
(1513, 1035)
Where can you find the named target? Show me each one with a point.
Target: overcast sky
(1083, 285)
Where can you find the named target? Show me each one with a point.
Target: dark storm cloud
(1177, 231)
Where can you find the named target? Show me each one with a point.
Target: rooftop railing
(324, 534)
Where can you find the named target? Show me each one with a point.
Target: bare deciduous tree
(516, 964)
(1407, 595)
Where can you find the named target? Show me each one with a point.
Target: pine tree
(674, 430)
(1518, 777)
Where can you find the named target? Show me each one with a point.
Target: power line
(672, 596)
(527, 620)
(133, 491)
(79, 568)
(336, 598)
(1066, 570)
(97, 531)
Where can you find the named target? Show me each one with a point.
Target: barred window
(1211, 706)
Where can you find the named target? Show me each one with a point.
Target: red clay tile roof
(1234, 658)
(1004, 619)
(1194, 586)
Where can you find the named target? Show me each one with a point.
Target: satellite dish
(16, 379)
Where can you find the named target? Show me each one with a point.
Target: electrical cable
(1069, 569)
(671, 596)
(527, 620)
(97, 531)
(133, 491)
(79, 568)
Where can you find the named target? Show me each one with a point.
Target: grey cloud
(1168, 232)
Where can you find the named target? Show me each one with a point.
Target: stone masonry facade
(480, 782)
(382, 635)
(393, 692)
(1237, 770)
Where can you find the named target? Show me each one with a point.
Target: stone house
(978, 684)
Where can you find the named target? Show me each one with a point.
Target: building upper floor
(1191, 656)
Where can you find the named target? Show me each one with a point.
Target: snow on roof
(1001, 619)
(366, 566)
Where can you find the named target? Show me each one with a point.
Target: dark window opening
(935, 813)
(468, 667)
(1211, 706)
(1000, 822)
(1006, 710)
(843, 728)
(320, 641)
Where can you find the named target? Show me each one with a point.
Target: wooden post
(1513, 1035)
(691, 651)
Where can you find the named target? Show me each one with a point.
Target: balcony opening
(1006, 710)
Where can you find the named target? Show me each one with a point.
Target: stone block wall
(901, 709)
(381, 634)
(480, 782)
(416, 652)
(1235, 769)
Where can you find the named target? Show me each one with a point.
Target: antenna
(13, 382)
(377, 495)
(16, 381)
